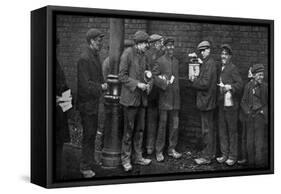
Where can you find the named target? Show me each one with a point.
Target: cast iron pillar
(111, 153)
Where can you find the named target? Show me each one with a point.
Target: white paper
(65, 100)
(193, 71)
(65, 106)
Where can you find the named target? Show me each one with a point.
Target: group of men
(150, 96)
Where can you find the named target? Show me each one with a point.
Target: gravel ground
(184, 164)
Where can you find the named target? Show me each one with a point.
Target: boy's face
(158, 44)
(225, 57)
(170, 48)
(258, 77)
(97, 43)
(142, 46)
(205, 52)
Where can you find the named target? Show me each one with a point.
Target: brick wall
(249, 43)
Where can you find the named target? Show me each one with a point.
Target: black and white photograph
(150, 95)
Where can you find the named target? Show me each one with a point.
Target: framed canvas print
(125, 96)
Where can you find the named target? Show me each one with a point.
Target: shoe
(174, 154)
(142, 161)
(221, 159)
(230, 162)
(149, 151)
(241, 162)
(202, 161)
(127, 167)
(88, 173)
(160, 157)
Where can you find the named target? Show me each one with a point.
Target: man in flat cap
(206, 86)
(155, 51)
(105, 72)
(134, 91)
(255, 106)
(90, 88)
(230, 86)
(166, 68)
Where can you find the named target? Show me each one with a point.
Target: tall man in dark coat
(155, 51)
(133, 65)
(90, 88)
(255, 106)
(206, 85)
(230, 85)
(166, 69)
(62, 131)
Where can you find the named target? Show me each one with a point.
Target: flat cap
(227, 47)
(167, 40)
(140, 36)
(155, 37)
(257, 68)
(128, 43)
(203, 45)
(93, 33)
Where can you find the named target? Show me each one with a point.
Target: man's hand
(104, 86)
(227, 87)
(142, 86)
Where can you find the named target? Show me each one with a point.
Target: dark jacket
(62, 131)
(206, 84)
(153, 54)
(89, 82)
(247, 99)
(230, 75)
(131, 72)
(169, 96)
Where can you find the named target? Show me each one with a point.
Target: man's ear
(92, 41)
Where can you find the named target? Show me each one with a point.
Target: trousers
(257, 141)
(209, 134)
(152, 122)
(133, 133)
(228, 134)
(90, 125)
(173, 118)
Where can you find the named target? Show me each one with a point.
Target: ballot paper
(65, 100)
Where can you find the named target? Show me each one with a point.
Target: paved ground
(170, 165)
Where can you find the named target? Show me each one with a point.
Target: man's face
(258, 77)
(225, 57)
(205, 52)
(170, 48)
(97, 43)
(158, 44)
(142, 46)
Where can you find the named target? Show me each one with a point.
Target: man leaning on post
(134, 91)
(90, 88)
(206, 86)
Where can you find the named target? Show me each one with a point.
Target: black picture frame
(43, 44)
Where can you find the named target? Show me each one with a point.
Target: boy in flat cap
(155, 51)
(90, 88)
(166, 68)
(230, 86)
(206, 85)
(133, 97)
(255, 106)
